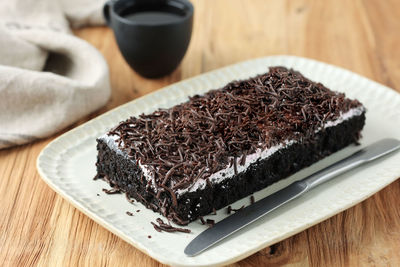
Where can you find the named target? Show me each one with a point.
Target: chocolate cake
(219, 147)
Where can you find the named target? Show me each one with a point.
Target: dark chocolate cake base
(123, 173)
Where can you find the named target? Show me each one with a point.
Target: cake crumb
(111, 191)
(161, 226)
(202, 220)
(229, 210)
(210, 222)
(214, 211)
(239, 209)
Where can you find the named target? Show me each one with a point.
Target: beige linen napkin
(48, 78)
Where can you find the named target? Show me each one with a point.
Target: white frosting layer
(229, 172)
(345, 116)
(111, 141)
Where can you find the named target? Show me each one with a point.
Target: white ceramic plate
(68, 165)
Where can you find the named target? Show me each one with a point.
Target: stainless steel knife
(251, 213)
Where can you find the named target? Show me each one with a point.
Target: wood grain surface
(38, 227)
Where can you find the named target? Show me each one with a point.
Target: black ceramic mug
(153, 35)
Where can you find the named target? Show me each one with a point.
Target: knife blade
(248, 215)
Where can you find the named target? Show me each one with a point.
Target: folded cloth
(49, 79)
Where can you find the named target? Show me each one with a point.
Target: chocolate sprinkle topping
(130, 200)
(129, 213)
(208, 133)
(167, 227)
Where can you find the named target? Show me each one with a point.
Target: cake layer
(186, 160)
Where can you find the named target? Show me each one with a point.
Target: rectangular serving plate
(68, 166)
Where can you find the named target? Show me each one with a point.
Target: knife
(251, 213)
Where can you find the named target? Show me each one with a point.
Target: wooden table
(37, 227)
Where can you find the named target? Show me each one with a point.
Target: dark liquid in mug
(153, 16)
(160, 15)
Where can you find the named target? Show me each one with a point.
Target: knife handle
(358, 158)
(332, 171)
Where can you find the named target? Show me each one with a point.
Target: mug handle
(106, 11)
